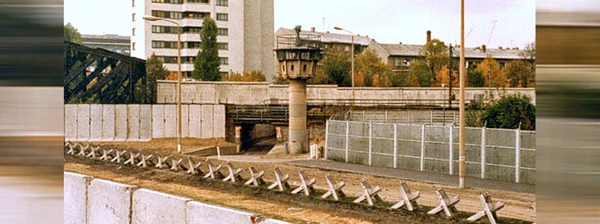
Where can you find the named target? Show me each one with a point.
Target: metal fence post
(422, 145)
(370, 142)
(395, 145)
(517, 153)
(483, 152)
(450, 147)
(326, 134)
(347, 140)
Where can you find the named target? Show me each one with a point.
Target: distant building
(245, 32)
(111, 42)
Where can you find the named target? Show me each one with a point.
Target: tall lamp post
(351, 59)
(152, 19)
(461, 154)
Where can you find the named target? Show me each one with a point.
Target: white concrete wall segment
(198, 212)
(109, 202)
(70, 122)
(158, 121)
(145, 122)
(133, 122)
(207, 121)
(108, 122)
(219, 121)
(185, 121)
(170, 121)
(121, 122)
(95, 122)
(151, 207)
(75, 197)
(83, 122)
(195, 125)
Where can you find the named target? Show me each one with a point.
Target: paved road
(414, 175)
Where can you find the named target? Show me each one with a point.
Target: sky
(387, 21)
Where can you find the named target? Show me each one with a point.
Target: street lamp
(152, 19)
(351, 59)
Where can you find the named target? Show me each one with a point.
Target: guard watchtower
(298, 56)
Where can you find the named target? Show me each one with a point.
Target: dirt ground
(296, 208)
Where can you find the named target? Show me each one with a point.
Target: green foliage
(519, 74)
(421, 74)
(398, 79)
(509, 112)
(280, 80)
(436, 55)
(375, 73)
(72, 34)
(253, 76)
(155, 70)
(475, 78)
(336, 64)
(319, 78)
(207, 62)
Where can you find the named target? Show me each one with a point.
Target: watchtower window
(304, 68)
(292, 68)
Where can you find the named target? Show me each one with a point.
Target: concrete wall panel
(155, 207)
(75, 200)
(108, 122)
(198, 212)
(133, 122)
(158, 121)
(121, 122)
(95, 122)
(70, 122)
(219, 121)
(109, 202)
(145, 122)
(207, 121)
(170, 121)
(195, 124)
(185, 121)
(83, 122)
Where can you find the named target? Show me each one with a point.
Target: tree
(253, 76)
(420, 74)
(399, 79)
(435, 53)
(372, 69)
(155, 70)
(319, 78)
(475, 78)
(509, 112)
(442, 77)
(529, 55)
(280, 80)
(519, 74)
(71, 34)
(207, 62)
(336, 64)
(494, 77)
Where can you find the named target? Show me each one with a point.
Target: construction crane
(491, 32)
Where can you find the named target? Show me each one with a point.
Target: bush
(510, 112)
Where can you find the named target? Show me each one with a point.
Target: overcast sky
(387, 21)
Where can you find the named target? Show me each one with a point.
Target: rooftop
(328, 37)
(477, 52)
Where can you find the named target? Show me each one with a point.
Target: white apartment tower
(245, 32)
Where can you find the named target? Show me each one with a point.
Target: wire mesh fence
(498, 154)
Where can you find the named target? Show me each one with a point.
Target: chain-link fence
(499, 154)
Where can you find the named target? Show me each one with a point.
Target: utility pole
(461, 138)
(450, 79)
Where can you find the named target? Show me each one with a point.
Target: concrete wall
(133, 122)
(89, 201)
(431, 148)
(252, 93)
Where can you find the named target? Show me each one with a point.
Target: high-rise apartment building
(245, 32)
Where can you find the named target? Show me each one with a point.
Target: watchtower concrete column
(298, 132)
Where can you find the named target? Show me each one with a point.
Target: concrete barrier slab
(155, 207)
(95, 122)
(108, 122)
(133, 122)
(198, 212)
(195, 125)
(207, 121)
(170, 121)
(70, 122)
(120, 122)
(75, 199)
(219, 121)
(83, 122)
(158, 121)
(185, 131)
(109, 202)
(145, 122)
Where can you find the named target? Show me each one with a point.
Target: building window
(224, 61)
(197, 1)
(132, 31)
(167, 14)
(193, 45)
(222, 16)
(191, 29)
(133, 17)
(195, 15)
(168, 1)
(164, 29)
(223, 46)
(222, 32)
(133, 46)
(222, 3)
